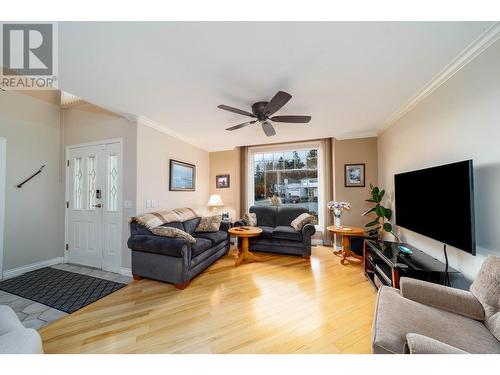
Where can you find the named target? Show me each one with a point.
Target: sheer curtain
(243, 179)
(327, 186)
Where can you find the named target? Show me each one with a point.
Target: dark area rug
(62, 290)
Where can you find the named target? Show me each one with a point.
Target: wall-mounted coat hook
(33, 175)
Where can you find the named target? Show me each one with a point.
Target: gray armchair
(418, 344)
(426, 318)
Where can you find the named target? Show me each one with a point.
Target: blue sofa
(175, 260)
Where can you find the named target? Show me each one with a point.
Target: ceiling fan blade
(292, 119)
(239, 126)
(268, 129)
(235, 110)
(277, 102)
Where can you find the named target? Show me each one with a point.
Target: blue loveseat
(278, 236)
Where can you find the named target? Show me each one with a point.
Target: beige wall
(355, 151)
(227, 162)
(460, 120)
(343, 152)
(154, 150)
(32, 126)
(34, 213)
(88, 123)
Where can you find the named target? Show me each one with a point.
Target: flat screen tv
(438, 203)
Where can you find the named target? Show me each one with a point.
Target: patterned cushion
(301, 220)
(155, 219)
(209, 224)
(173, 232)
(250, 219)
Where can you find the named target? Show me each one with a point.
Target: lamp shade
(215, 201)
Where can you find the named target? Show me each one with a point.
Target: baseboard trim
(125, 272)
(32, 267)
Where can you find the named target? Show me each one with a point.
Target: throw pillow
(173, 232)
(301, 220)
(250, 219)
(209, 224)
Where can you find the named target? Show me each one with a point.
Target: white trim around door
(3, 165)
(101, 232)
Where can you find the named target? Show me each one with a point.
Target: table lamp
(215, 201)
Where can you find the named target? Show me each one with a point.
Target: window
(289, 174)
(77, 200)
(91, 183)
(112, 183)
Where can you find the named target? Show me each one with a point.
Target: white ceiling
(351, 77)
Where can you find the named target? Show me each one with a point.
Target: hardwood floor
(284, 304)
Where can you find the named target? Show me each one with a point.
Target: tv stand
(385, 264)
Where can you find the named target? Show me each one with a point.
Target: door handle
(98, 205)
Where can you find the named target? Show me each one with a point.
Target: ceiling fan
(262, 110)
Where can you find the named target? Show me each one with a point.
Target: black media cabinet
(385, 264)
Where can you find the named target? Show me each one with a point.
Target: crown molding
(128, 116)
(163, 129)
(359, 135)
(473, 50)
(70, 101)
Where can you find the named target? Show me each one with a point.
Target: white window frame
(296, 146)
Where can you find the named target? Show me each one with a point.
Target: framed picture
(222, 181)
(182, 176)
(354, 175)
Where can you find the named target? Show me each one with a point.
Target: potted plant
(337, 208)
(382, 222)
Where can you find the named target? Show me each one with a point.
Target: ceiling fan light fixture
(262, 111)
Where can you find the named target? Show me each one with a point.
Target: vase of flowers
(337, 208)
(275, 200)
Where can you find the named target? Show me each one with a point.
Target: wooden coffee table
(346, 232)
(245, 233)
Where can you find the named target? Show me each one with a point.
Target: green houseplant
(382, 222)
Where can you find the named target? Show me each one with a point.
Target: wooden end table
(245, 233)
(346, 232)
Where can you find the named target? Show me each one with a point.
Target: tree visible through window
(291, 175)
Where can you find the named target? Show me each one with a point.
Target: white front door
(94, 206)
